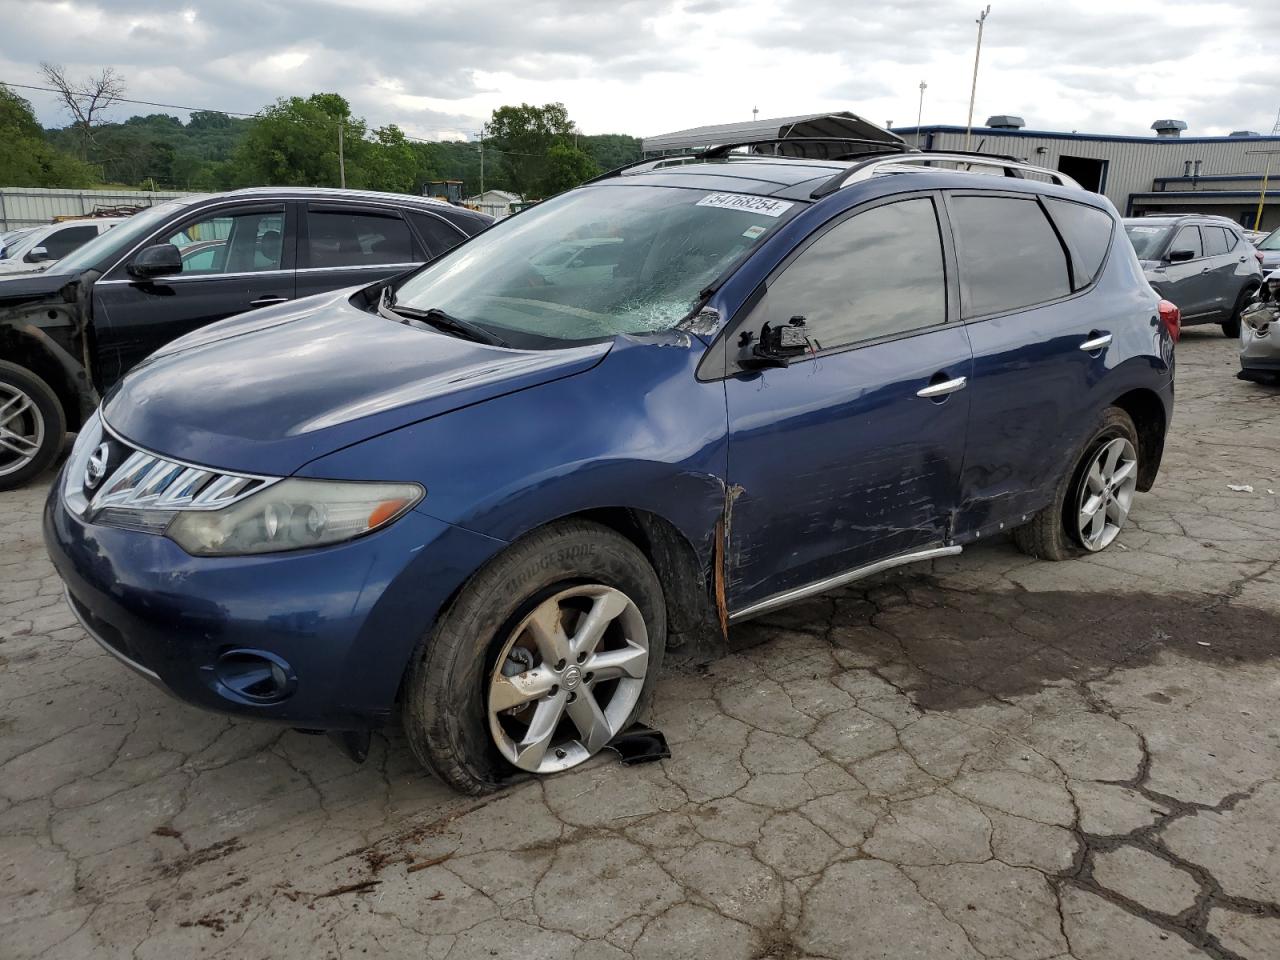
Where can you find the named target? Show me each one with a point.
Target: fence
(32, 206)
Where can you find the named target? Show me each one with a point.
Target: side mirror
(1180, 256)
(157, 260)
(775, 347)
(37, 255)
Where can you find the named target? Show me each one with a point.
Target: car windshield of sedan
(1147, 240)
(1271, 241)
(596, 262)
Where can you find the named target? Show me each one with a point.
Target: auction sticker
(765, 206)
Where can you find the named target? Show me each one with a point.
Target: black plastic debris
(640, 744)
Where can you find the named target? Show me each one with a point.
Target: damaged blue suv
(487, 496)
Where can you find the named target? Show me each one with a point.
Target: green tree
(567, 166)
(26, 158)
(295, 143)
(525, 135)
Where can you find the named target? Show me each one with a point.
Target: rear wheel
(545, 656)
(1092, 501)
(32, 425)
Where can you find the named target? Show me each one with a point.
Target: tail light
(1258, 254)
(1171, 317)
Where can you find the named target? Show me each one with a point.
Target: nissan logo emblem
(97, 467)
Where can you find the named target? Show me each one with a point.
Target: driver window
(1188, 238)
(230, 242)
(876, 274)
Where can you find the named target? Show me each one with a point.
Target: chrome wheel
(568, 678)
(1106, 494)
(21, 429)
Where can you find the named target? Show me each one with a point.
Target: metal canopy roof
(836, 125)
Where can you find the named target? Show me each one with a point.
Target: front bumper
(344, 619)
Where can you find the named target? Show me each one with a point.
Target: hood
(26, 287)
(268, 391)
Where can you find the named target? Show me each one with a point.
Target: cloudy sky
(438, 67)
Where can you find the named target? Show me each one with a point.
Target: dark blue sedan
(488, 495)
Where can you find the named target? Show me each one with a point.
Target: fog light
(254, 676)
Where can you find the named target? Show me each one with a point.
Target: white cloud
(438, 67)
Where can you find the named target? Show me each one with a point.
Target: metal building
(1163, 173)
(32, 206)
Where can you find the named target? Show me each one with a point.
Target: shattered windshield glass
(597, 262)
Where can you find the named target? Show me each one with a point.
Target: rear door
(1040, 346)
(348, 244)
(1222, 287)
(838, 460)
(235, 258)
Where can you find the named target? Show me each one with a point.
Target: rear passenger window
(1087, 231)
(1010, 256)
(1215, 241)
(876, 274)
(438, 235)
(340, 239)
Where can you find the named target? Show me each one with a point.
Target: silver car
(1260, 334)
(1269, 247)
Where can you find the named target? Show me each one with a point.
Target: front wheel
(1092, 501)
(546, 655)
(32, 425)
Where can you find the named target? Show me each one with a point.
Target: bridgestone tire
(1049, 535)
(444, 708)
(54, 420)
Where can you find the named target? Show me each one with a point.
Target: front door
(1188, 282)
(852, 453)
(234, 259)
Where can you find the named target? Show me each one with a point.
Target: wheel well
(27, 352)
(685, 584)
(1146, 410)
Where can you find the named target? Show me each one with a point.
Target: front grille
(140, 490)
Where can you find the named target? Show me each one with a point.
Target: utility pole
(973, 90)
(342, 163)
(1266, 176)
(755, 112)
(920, 112)
(482, 129)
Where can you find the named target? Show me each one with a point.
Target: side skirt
(839, 580)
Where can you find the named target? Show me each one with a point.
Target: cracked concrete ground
(989, 758)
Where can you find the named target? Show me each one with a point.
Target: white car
(31, 250)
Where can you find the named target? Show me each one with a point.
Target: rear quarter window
(1087, 231)
(1010, 256)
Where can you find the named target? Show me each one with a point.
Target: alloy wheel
(568, 678)
(1106, 494)
(21, 429)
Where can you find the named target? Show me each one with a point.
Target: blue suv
(489, 495)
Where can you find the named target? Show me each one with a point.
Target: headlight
(291, 515)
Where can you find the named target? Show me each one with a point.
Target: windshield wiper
(437, 318)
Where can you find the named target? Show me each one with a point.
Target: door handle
(267, 301)
(1205, 270)
(1096, 343)
(942, 389)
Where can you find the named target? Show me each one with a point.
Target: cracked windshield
(597, 262)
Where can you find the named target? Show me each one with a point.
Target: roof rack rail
(868, 168)
(722, 151)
